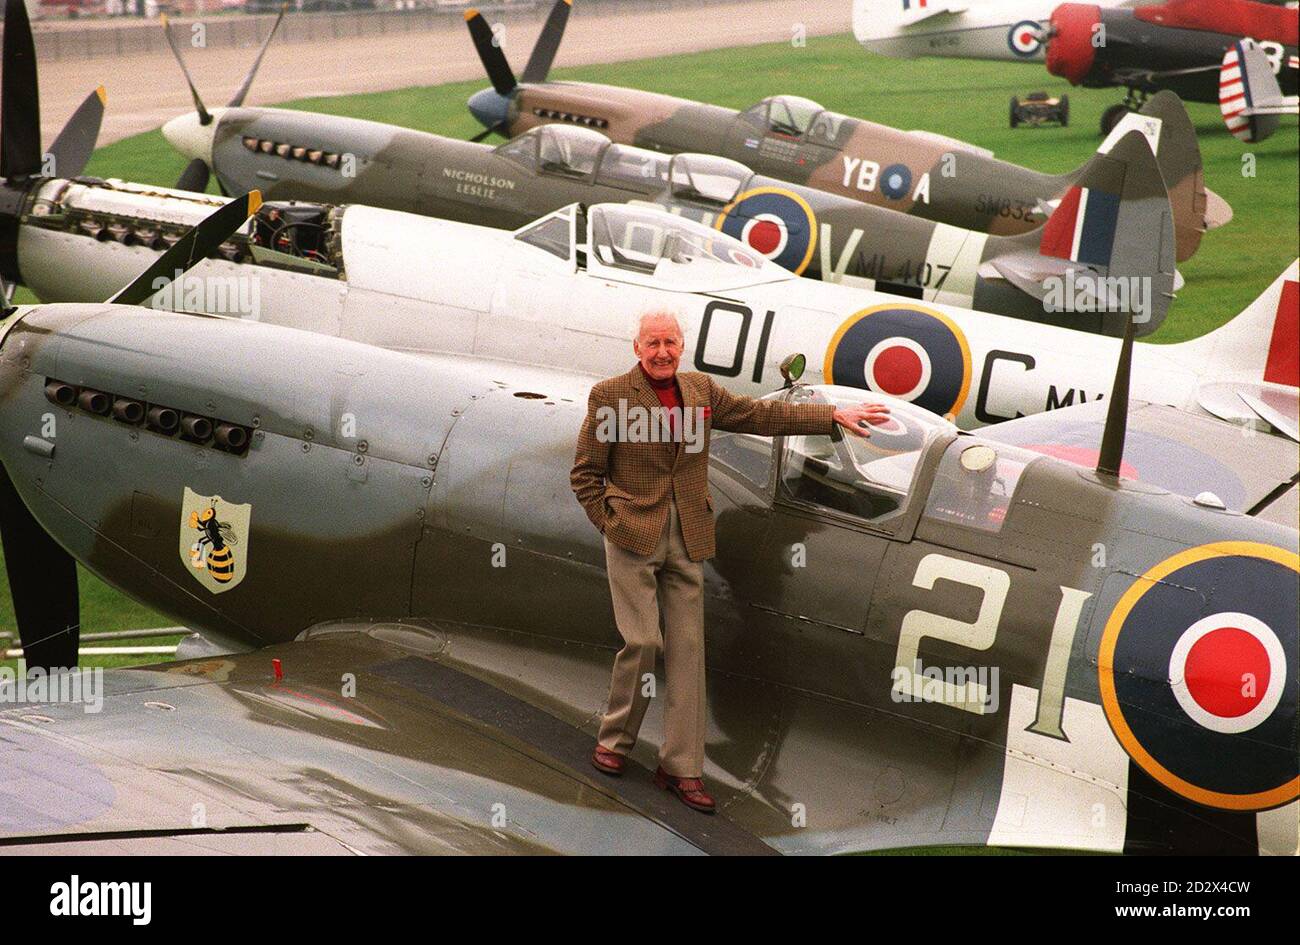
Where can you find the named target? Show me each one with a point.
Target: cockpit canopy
(639, 243)
(869, 478)
(874, 481)
(643, 244)
(704, 178)
(562, 150)
(793, 117)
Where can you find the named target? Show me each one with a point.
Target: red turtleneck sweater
(669, 394)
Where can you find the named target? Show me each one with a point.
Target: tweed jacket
(626, 487)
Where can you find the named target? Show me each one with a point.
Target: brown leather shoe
(690, 791)
(606, 761)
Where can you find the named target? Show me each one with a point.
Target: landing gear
(1134, 100)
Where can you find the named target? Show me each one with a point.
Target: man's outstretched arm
(741, 414)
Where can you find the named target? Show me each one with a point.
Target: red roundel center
(897, 370)
(1227, 672)
(765, 236)
(1026, 38)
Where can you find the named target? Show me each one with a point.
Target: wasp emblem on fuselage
(214, 540)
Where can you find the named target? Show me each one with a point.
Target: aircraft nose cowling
(191, 137)
(489, 107)
(1070, 52)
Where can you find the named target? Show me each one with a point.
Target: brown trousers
(643, 586)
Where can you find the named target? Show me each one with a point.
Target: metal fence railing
(134, 37)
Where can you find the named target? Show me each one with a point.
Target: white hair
(658, 316)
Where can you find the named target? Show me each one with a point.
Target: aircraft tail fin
(1249, 96)
(1260, 345)
(1164, 121)
(1113, 226)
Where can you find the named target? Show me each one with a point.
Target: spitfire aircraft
(1178, 45)
(564, 290)
(1102, 227)
(1033, 636)
(982, 644)
(794, 139)
(296, 155)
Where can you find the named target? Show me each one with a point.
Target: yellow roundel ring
(1283, 792)
(775, 222)
(904, 350)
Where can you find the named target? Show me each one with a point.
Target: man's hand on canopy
(853, 417)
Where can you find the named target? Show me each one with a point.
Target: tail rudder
(1260, 345)
(1245, 82)
(1169, 130)
(1115, 219)
(1196, 208)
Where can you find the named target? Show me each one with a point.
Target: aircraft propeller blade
(490, 54)
(42, 583)
(20, 110)
(478, 138)
(194, 177)
(205, 118)
(548, 43)
(195, 245)
(75, 144)
(252, 71)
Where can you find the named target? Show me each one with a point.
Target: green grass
(966, 100)
(103, 610)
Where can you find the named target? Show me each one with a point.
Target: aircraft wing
(1183, 452)
(217, 756)
(468, 739)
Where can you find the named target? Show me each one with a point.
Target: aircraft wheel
(1065, 111)
(1015, 119)
(1111, 117)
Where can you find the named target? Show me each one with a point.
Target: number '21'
(979, 634)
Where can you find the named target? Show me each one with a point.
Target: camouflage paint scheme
(847, 156)
(827, 236)
(477, 684)
(795, 139)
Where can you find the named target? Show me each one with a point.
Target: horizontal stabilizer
(1249, 96)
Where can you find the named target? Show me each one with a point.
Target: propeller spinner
(491, 106)
(191, 134)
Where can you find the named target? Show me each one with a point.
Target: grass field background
(965, 100)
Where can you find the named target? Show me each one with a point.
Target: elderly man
(648, 494)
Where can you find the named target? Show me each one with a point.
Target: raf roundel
(1023, 38)
(896, 181)
(906, 351)
(1197, 668)
(775, 223)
